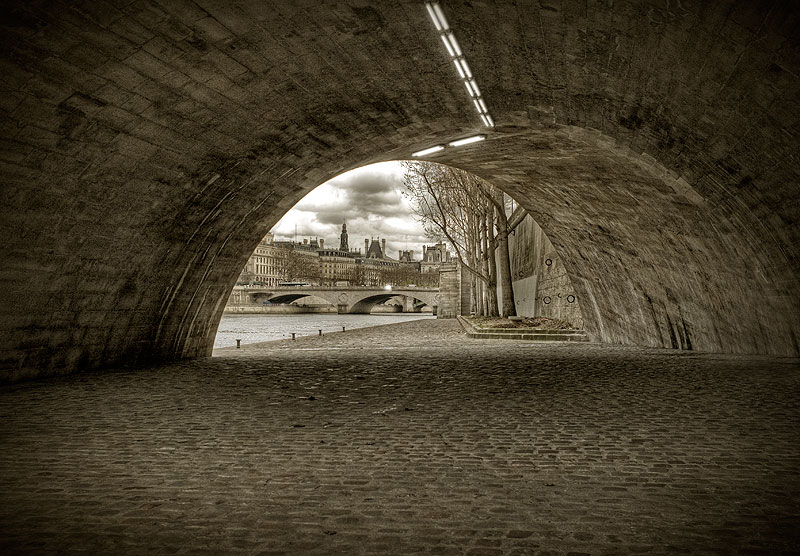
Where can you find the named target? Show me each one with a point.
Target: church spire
(343, 241)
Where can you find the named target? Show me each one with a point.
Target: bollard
(238, 343)
(292, 335)
(320, 332)
(343, 329)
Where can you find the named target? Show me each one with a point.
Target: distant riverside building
(338, 265)
(406, 260)
(263, 266)
(275, 262)
(433, 256)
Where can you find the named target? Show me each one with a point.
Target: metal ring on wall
(546, 300)
(570, 298)
(548, 262)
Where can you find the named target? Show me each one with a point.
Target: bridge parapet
(352, 299)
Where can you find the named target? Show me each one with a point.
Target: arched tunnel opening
(321, 268)
(147, 145)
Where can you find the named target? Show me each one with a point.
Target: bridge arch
(350, 299)
(366, 303)
(142, 158)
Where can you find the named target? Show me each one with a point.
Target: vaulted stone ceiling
(147, 145)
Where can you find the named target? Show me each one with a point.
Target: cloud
(369, 199)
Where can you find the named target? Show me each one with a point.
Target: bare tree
(296, 265)
(463, 208)
(508, 307)
(491, 246)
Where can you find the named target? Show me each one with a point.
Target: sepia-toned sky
(369, 199)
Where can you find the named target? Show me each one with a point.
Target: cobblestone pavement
(409, 439)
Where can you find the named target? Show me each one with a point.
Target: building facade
(264, 267)
(433, 256)
(276, 262)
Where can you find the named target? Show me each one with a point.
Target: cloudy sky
(369, 199)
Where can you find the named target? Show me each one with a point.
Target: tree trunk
(473, 297)
(508, 308)
(475, 251)
(492, 262)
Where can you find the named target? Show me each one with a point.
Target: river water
(263, 328)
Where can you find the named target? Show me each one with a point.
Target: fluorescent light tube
(429, 150)
(483, 106)
(433, 17)
(490, 120)
(475, 87)
(447, 45)
(469, 89)
(458, 67)
(467, 140)
(440, 14)
(454, 42)
(466, 68)
(477, 106)
(485, 121)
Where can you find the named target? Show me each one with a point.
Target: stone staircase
(531, 335)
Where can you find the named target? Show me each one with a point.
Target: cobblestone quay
(408, 440)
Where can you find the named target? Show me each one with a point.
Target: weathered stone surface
(441, 445)
(146, 147)
(541, 283)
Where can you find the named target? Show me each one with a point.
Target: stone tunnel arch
(145, 147)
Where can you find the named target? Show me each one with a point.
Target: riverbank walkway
(408, 439)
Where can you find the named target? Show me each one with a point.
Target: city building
(276, 262)
(433, 256)
(338, 266)
(264, 267)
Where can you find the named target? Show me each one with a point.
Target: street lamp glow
(429, 150)
(467, 140)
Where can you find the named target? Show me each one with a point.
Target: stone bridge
(347, 299)
(147, 146)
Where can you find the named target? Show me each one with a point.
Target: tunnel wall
(542, 286)
(147, 146)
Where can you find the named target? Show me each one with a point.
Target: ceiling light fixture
(447, 45)
(454, 44)
(434, 17)
(466, 140)
(440, 15)
(457, 56)
(466, 68)
(429, 150)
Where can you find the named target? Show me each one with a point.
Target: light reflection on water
(263, 328)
